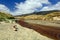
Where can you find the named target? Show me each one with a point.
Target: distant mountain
(43, 15)
(40, 13)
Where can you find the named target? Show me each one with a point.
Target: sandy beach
(7, 33)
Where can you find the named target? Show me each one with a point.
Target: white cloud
(3, 8)
(29, 6)
(51, 7)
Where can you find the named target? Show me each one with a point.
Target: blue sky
(15, 6)
(10, 3)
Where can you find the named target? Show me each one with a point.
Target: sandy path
(7, 33)
(47, 23)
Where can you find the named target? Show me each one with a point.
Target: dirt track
(48, 31)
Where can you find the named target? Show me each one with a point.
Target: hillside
(39, 13)
(43, 15)
(4, 16)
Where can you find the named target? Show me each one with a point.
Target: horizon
(20, 7)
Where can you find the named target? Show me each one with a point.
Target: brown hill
(40, 16)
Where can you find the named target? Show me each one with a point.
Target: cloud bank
(30, 6)
(51, 7)
(4, 8)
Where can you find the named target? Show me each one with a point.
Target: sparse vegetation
(5, 16)
(45, 15)
(49, 16)
(8, 33)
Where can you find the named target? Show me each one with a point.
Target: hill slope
(44, 15)
(39, 13)
(4, 16)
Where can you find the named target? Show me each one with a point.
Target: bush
(11, 18)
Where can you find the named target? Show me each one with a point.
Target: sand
(46, 23)
(7, 33)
